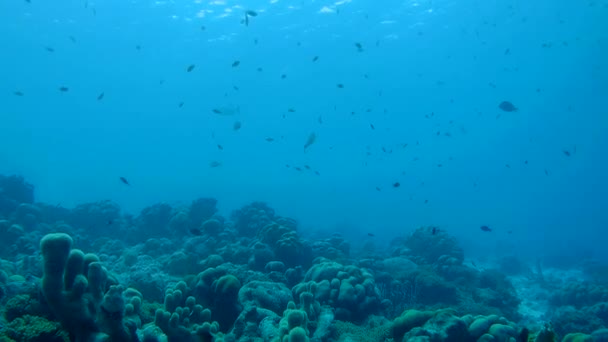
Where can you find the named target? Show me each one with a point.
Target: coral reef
(188, 274)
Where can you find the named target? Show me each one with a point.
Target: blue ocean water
(431, 75)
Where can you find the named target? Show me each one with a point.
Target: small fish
(359, 47)
(251, 13)
(72, 39)
(372, 126)
(260, 69)
(320, 119)
(190, 68)
(546, 172)
(283, 76)
(49, 49)
(180, 105)
(214, 164)
(124, 181)
(396, 185)
(237, 125)
(317, 173)
(291, 110)
(566, 153)
(298, 168)
(485, 228)
(307, 167)
(235, 88)
(236, 64)
(138, 47)
(370, 234)
(203, 28)
(311, 140)
(474, 265)
(507, 166)
(196, 231)
(340, 85)
(507, 106)
(101, 96)
(64, 89)
(269, 139)
(220, 147)
(426, 201)
(315, 58)
(378, 189)
(216, 111)
(434, 231)
(507, 52)
(18, 93)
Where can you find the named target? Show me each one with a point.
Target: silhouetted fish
(64, 89)
(434, 231)
(370, 234)
(507, 106)
(124, 181)
(215, 163)
(190, 67)
(396, 185)
(340, 85)
(251, 13)
(18, 93)
(311, 140)
(315, 58)
(101, 96)
(49, 49)
(236, 126)
(359, 47)
(220, 147)
(236, 64)
(372, 126)
(485, 228)
(196, 232)
(566, 153)
(269, 139)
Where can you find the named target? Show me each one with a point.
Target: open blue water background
(431, 75)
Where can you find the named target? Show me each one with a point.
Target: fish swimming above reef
(248, 13)
(507, 106)
(311, 140)
(485, 229)
(226, 111)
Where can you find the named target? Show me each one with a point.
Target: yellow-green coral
(34, 329)
(347, 331)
